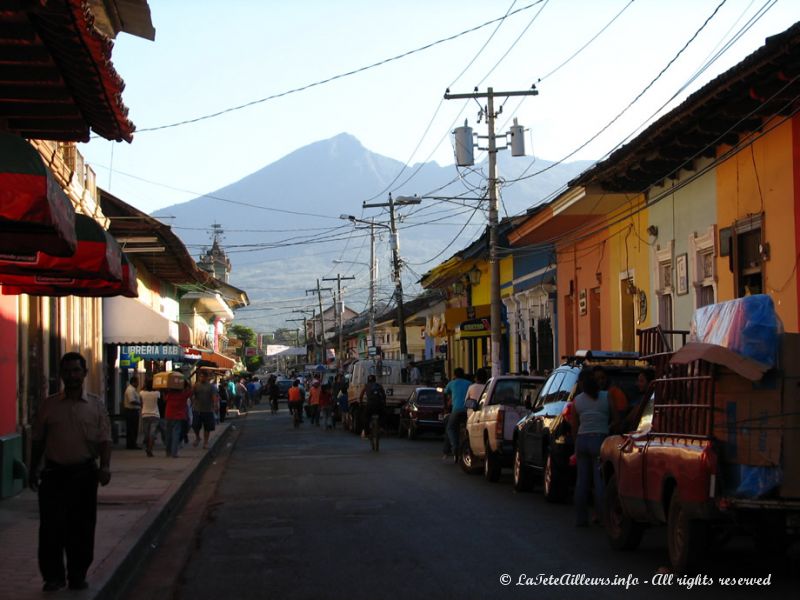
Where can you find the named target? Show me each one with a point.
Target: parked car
(423, 411)
(283, 387)
(491, 424)
(543, 440)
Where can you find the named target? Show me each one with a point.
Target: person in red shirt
(177, 402)
(326, 405)
(296, 397)
(313, 401)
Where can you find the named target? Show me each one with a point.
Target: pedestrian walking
(415, 376)
(274, 394)
(223, 399)
(339, 394)
(296, 396)
(590, 421)
(71, 430)
(177, 409)
(132, 406)
(313, 401)
(326, 406)
(150, 416)
(204, 400)
(241, 395)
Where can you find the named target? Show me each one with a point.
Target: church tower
(215, 261)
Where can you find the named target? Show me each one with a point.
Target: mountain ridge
(278, 219)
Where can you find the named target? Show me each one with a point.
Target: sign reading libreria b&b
(151, 352)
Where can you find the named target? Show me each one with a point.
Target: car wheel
(522, 474)
(686, 538)
(554, 488)
(623, 532)
(491, 465)
(467, 459)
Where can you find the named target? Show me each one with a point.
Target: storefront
(136, 339)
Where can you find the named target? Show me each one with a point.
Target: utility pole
(373, 273)
(305, 326)
(398, 281)
(494, 263)
(319, 291)
(339, 311)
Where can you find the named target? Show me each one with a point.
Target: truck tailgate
(512, 415)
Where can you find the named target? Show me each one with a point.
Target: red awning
(35, 213)
(97, 256)
(46, 285)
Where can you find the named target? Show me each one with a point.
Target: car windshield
(515, 391)
(430, 398)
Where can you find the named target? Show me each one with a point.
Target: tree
(285, 336)
(248, 338)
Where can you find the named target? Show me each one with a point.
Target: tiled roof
(764, 85)
(56, 77)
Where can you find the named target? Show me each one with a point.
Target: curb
(125, 559)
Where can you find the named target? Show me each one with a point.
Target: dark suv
(543, 440)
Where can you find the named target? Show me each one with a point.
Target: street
(311, 513)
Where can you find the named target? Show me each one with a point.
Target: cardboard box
(747, 418)
(167, 380)
(789, 357)
(790, 488)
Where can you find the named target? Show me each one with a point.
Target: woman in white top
(150, 415)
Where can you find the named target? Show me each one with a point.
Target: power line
(624, 110)
(438, 108)
(339, 76)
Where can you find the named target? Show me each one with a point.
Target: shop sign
(135, 353)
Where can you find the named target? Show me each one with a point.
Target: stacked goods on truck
(717, 446)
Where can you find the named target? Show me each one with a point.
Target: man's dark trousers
(131, 428)
(67, 518)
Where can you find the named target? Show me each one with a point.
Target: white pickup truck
(389, 373)
(490, 425)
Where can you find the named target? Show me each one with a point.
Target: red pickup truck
(716, 450)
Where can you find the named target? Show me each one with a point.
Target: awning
(35, 213)
(97, 256)
(128, 321)
(56, 286)
(218, 359)
(209, 304)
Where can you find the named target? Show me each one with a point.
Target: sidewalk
(142, 494)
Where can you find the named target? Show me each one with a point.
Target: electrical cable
(339, 76)
(523, 175)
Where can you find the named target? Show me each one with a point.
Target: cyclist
(375, 404)
(296, 397)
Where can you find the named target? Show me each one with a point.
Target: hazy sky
(209, 56)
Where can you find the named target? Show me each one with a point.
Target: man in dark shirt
(204, 399)
(71, 430)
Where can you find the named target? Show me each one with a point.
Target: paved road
(314, 514)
